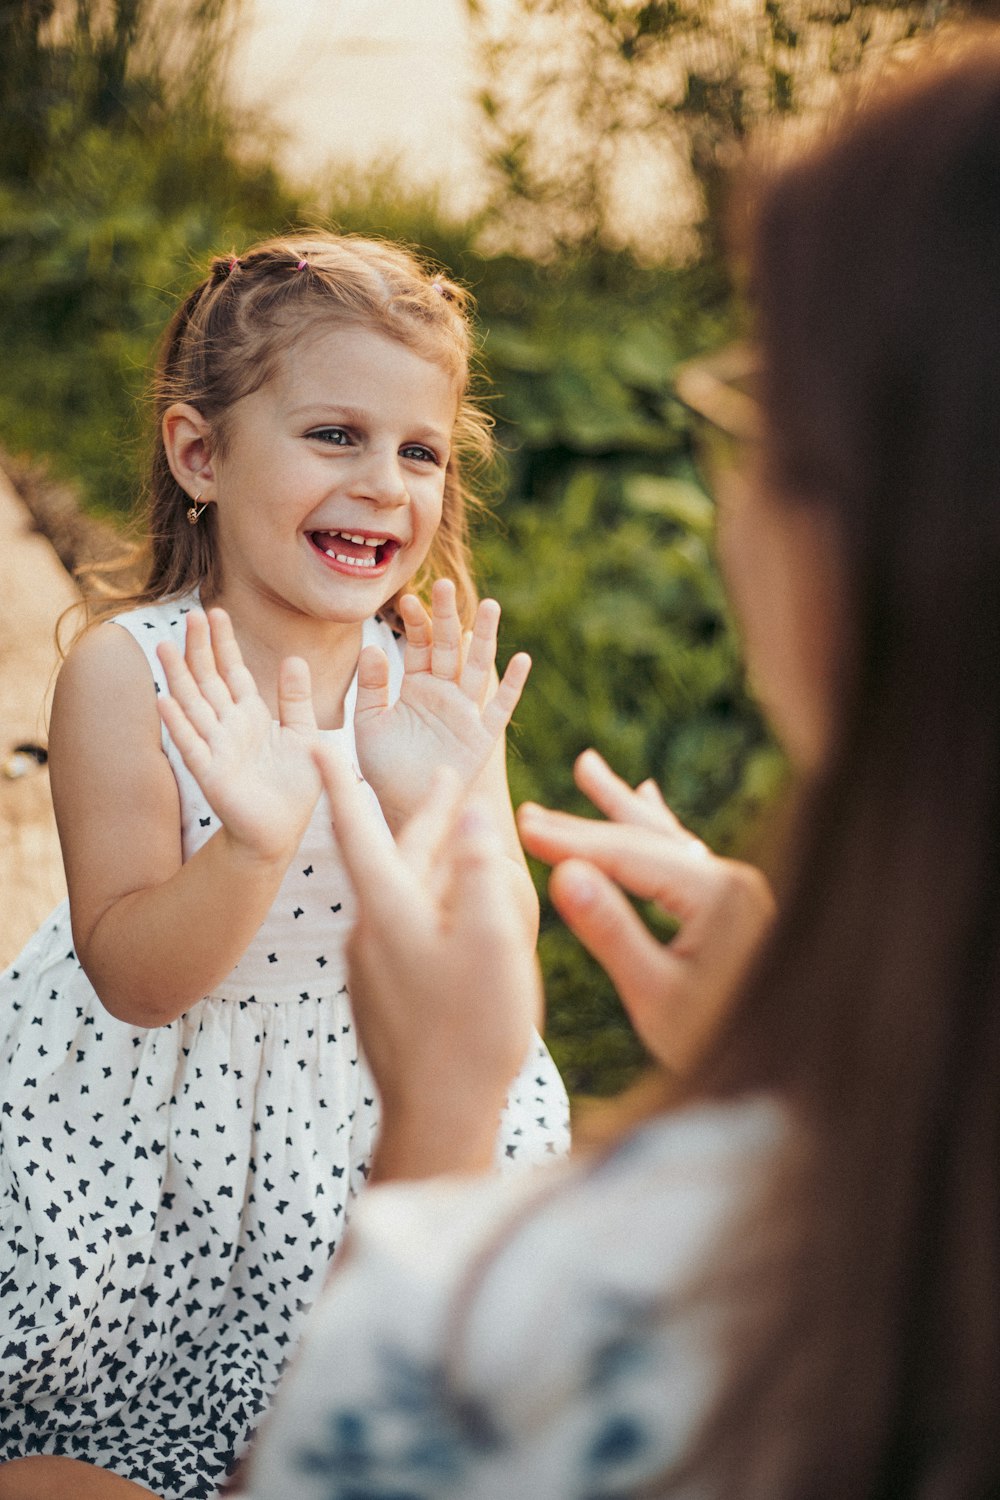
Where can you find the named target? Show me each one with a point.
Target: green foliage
(602, 557)
(122, 180)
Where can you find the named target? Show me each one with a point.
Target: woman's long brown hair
(874, 1370)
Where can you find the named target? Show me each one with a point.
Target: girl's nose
(381, 481)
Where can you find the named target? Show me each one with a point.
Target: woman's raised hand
(450, 711)
(675, 993)
(444, 982)
(258, 777)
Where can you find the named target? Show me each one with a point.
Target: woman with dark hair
(783, 1282)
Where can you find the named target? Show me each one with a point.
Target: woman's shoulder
(614, 1227)
(515, 1326)
(701, 1153)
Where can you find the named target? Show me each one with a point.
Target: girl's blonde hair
(225, 340)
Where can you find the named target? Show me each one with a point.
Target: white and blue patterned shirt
(540, 1338)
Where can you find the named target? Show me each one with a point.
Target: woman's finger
(672, 1005)
(616, 799)
(373, 681)
(652, 983)
(295, 704)
(482, 916)
(679, 874)
(365, 844)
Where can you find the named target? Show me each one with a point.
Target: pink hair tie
(437, 287)
(302, 265)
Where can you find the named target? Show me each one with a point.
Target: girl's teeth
(354, 562)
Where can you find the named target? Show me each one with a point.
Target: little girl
(184, 1116)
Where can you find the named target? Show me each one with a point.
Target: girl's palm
(449, 711)
(258, 777)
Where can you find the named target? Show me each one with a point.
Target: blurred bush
(601, 553)
(120, 173)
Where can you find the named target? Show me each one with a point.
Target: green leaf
(675, 499)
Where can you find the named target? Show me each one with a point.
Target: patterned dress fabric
(170, 1198)
(556, 1343)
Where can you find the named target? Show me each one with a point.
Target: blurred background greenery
(123, 168)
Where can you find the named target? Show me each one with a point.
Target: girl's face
(330, 487)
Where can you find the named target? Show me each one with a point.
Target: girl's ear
(187, 441)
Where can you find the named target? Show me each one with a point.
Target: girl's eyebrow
(323, 409)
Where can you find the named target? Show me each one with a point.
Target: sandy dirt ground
(34, 590)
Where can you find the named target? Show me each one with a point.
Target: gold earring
(196, 511)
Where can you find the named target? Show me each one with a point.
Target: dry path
(34, 590)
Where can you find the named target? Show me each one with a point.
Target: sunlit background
(366, 82)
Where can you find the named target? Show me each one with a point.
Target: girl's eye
(419, 452)
(337, 437)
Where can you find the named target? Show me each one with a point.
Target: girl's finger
(228, 657)
(681, 875)
(373, 681)
(199, 654)
(616, 799)
(419, 635)
(446, 649)
(477, 669)
(498, 712)
(185, 691)
(192, 748)
(295, 704)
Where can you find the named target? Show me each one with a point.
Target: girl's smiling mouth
(354, 551)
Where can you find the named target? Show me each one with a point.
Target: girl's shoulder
(103, 664)
(165, 619)
(151, 624)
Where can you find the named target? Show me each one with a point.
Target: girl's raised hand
(258, 777)
(444, 982)
(450, 711)
(676, 992)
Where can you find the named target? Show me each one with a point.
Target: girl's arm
(154, 934)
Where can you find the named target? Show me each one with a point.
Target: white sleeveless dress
(170, 1198)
